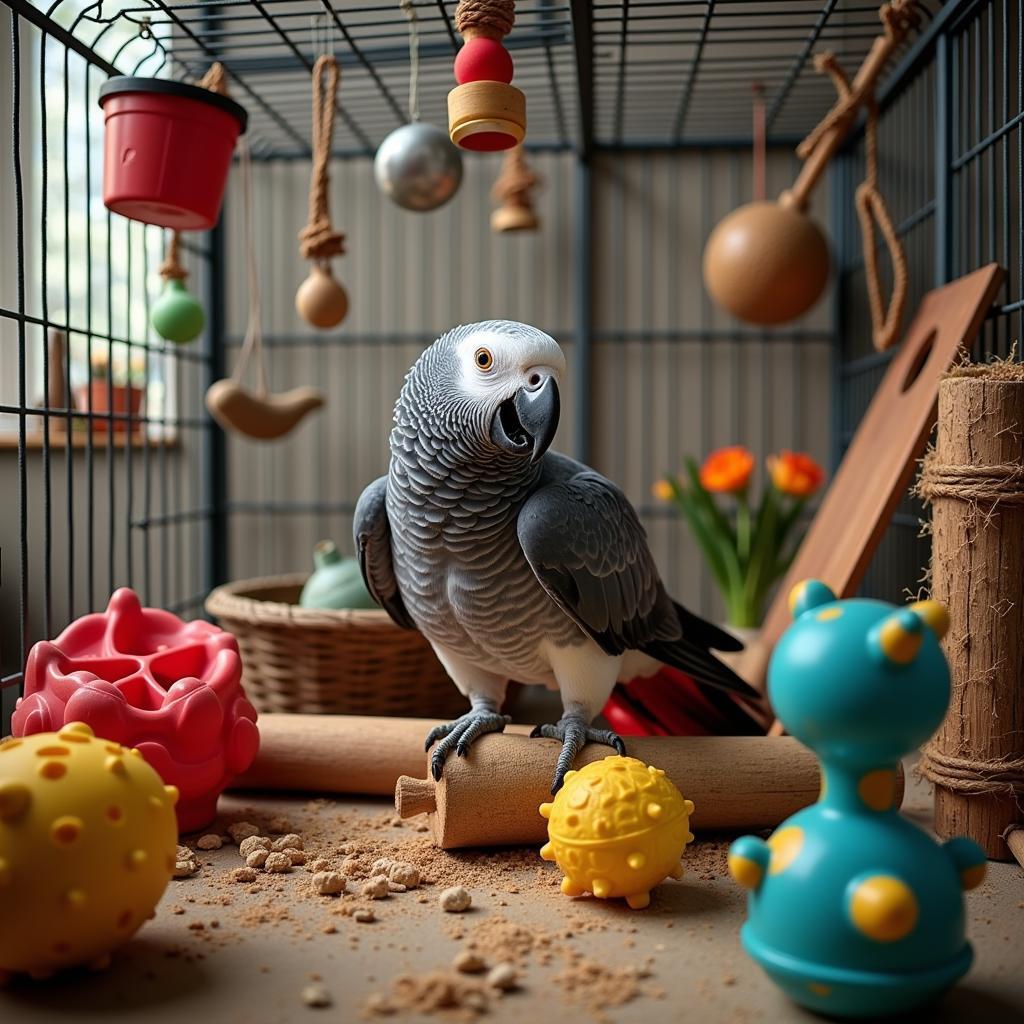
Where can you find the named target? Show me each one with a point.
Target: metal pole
(214, 445)
(943, 161)
(582, 289)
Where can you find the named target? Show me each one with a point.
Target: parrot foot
(461, 734)
(575, 734)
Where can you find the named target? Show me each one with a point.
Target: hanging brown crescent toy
(260, 415)
(321, 300)
(767, 262)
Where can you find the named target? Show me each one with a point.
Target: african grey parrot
(513, 561)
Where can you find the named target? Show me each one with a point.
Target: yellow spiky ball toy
(87, 843)
(617, 828)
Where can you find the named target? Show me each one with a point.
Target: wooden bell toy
(768, 263)
(513, 191)
(321, 301)
(485, 112)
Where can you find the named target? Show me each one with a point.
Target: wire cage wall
(640, 122)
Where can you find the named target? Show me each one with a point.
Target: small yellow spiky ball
(87, 846)
(617, 828)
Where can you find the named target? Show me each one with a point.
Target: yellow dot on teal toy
(878, 789)
(745, 871)
(785, 845)
(883, 908)
(829, 614)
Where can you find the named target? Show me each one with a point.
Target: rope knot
(488, 16)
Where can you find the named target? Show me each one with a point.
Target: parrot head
(492, 387)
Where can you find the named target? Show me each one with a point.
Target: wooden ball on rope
(321, 300)
(767, 262)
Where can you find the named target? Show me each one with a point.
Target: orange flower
(727, 470)
(662, 490)
(795, 473)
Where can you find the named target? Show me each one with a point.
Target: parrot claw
(575, 734)
(461, 734)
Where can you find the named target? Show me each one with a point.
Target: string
(414, 59)
(759, 172)
(171, 268)
(252, 346)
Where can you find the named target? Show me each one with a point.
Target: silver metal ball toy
(418, 167)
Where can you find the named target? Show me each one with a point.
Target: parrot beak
(527, 422)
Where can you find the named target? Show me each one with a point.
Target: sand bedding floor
(243, 945)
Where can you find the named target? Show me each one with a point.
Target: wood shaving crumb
(376, 888)
(186, 863)
(503, 976)
(433, 992)
(277, 863)
(297, 857)
(396, 887)
(243, 875)
(404, 874)
(288, 842)
(455, 899)
(257, 857)
(209, 842)
(352, 866)
(329, 883)
(242, 830)
(246, 846)
(319, 864)
(279, 825)
(468, 962)
(365, 916)
(317, 996)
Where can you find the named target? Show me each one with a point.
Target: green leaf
(719, 531)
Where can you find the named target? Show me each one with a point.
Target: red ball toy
(483, 60)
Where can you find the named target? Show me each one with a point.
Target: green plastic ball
(177, 315)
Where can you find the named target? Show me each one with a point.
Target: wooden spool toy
(260, 415)
(486, 113)
(768, 263)
(513, 190)
(321, 301)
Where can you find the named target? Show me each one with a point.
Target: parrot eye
(484, 359)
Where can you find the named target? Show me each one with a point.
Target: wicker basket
(329, 662)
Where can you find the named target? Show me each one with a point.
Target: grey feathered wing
(589, 550)
(371, 531)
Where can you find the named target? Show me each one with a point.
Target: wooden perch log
(491, 797)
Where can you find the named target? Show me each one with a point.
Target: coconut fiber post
(974, 480)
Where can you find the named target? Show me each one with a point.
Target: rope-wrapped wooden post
(974, 480)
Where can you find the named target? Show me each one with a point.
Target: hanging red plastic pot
(167, 151)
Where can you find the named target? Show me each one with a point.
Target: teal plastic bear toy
(336, 583)
(853, 911)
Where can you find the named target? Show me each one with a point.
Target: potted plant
(747, 548)
(116, 386)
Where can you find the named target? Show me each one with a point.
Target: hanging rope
(171, 268)
(414, 59)
(872, 209)
(216, 79)
(870, 204)
(488, 17)
(319, 239)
